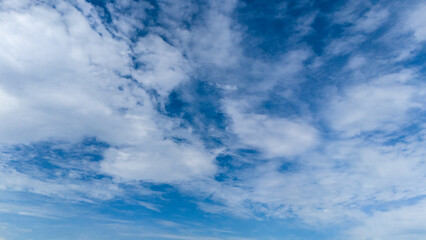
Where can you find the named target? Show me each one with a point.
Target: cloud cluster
(65, 79)
(325, 132)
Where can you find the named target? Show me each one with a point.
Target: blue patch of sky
(390, 205)
(197, 104)
(266, 30)
(120, 219)
(52, 158)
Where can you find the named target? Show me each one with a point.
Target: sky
(212, 120)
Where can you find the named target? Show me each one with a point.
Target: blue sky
(215, 119)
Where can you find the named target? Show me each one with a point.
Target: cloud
(339, 185)
(158, 161)
(399, 223)
(416, 23)
(224, 51)
(54, 91)
(355, 62)
(127, 17)
(340, 143)
(65, 80)
(33, 211)
(344, 45)
(181, 237)
(150, 206)
(163, 66)
(68, 183)
(275, 137)
(381, 104)
(213, 38)
(372, 20)
(304, 24)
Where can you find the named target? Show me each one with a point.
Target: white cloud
(51, 67)
(61, 80)
(331, 187)
(355, 62)
(372, 20)
(9, 102)
(381, 104)
(180, 237)
(416, 22)
(304, 23)
(159, 161)
(163, 68)
(127, 16)
(29, 210)
(344, 45)
(404, 39)
(361, 16)
(349, 12)
(215, 42)
(275, 137)
(288, 71)
(149, 206)
(356, 25)
(66, 187)
(405, 222)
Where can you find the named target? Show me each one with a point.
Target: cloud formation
(201, 120)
